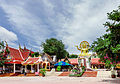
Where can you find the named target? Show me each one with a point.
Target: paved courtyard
(58, 80)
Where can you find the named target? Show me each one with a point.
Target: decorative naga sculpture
(84, 47)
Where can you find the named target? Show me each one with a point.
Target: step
(106, 74)
(90, 74)
(53, 73)
(64, 74)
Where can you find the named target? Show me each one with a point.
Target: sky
(31, 22)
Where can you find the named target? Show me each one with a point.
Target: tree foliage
(3, 53)
(73, 56)
(108, 46)
(36, 54)
(56, 47)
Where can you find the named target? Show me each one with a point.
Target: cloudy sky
(30, 22)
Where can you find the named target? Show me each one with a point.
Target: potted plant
(43, 71)
(113, 74)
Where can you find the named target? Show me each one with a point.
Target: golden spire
(20, 47)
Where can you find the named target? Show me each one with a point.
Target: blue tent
(62, 63)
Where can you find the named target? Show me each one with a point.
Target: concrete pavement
(58, 80)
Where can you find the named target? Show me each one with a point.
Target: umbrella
(62, 63)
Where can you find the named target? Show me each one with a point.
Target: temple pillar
(82, 61)
(87, 63)
(32, 69)
(46, 66)
(4, 67)
(25, 68)
(38, 68)
(14, 68)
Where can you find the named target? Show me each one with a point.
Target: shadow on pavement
(115, 81)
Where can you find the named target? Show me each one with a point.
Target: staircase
(64, 74)
(105, 74)
(90, 74)
(52, 73)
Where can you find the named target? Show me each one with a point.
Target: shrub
(58, 68)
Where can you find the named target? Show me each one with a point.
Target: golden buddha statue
(84, 47)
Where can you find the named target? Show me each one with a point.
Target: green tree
(73, 56)
(3, 53)
(108, 46)
(56, 47)
(36, 54)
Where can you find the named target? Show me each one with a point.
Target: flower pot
(113, 76)
(43, 75)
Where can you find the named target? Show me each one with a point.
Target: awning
(62, 63)
(96, 61)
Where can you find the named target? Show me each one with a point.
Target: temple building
(34, 64)
(15, 58)
(19, 59)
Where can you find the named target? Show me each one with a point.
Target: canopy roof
(33, 60)
(62, 63)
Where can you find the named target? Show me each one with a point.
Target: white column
(14, 67)
(82, 61)
(87, 63)
(25, 68)
(37, 67)
(3, 67)
(31, 68)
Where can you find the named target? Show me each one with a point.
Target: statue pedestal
(84, 61)
(87, 63)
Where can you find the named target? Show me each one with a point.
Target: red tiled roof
(14, 53)
(20, 55)
(96, 61)
(73, 61)
(25, 54)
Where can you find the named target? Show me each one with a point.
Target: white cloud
(86, 22)
(9, 36)
(69, 20)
